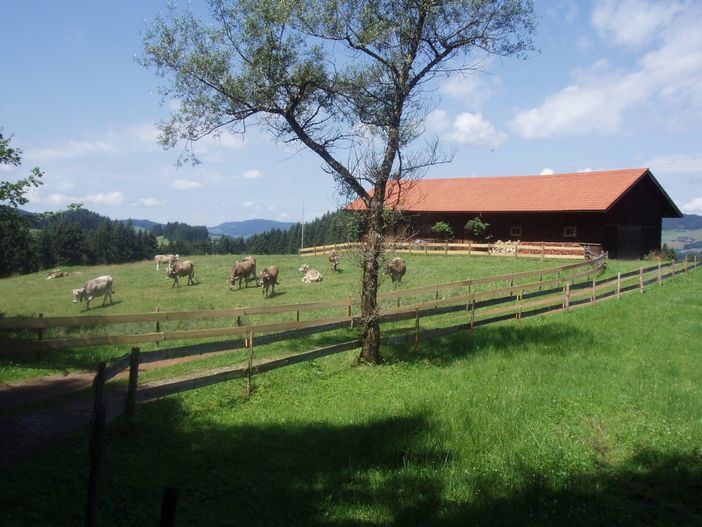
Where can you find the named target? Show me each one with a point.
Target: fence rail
(543, 250)
(41, 323)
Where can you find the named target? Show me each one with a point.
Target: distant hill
(689, 222)
(144, 224)
(246, 228)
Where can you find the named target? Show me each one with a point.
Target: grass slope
(583, 418)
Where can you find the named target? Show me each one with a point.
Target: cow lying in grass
(310, 274)
(100, 286)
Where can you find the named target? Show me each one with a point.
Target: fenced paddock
(431, 311)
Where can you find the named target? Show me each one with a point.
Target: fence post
(641, 285)
(168, 507)
(673, 262)
(594, 290)
(416, 330)
(158, 322)
(470, 247)
(425, 248)
(520, 297)
(446, 249)
(248, 376)
(543, 252)
(133, 383)
(472, 313)
(566, 291)
(95, 445)
(40, 330)
(659, 277)
(297, 313)
(619, 285)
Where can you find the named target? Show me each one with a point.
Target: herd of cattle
(242, 270)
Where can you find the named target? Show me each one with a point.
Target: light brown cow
(334, 260)
(168, 259)
(245, 269)
(310, 274)
(269, 278)
(396, 269)
(186, 268)
(100, 286)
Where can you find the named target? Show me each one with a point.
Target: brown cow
(396, 269)
(245, 269)
(269, 278)
(334, 260)
(186, 268)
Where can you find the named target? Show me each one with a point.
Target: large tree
(347, 79)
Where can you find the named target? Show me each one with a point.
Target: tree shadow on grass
(553, 338)
(387, 471)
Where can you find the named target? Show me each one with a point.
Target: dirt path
(40, 412)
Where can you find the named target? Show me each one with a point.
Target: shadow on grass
(507, 339)
(381, 472)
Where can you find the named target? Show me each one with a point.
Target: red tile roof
(580, 191)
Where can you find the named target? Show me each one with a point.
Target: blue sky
(614, 84)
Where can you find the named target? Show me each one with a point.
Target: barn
(621, 210)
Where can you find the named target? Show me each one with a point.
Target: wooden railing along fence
(515, 249)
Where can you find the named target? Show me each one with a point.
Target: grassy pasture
(139, 288)
(583, 418)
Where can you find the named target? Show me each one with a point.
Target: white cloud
(151, 202)
(185, 184)
(471, 87)
(676, 164)
(74, 149)
(547, 172)
(633, 23)
(248, 204)
(473, 129)
(112, 198)
(582, 170)
(668, 78)
(693, 207)
(252, 174)
(437, 122)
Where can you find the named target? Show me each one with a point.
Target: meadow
(587, 418)
(139, 288)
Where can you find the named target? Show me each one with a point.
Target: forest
(32, 242)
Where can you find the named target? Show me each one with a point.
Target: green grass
(584, 418)
(139, 288)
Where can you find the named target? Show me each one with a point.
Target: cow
(269, 278)
(245, 269)
(311, 274)
(100, 286)
(334, 260)
(168, 259)
(396, 269)
(186, 268)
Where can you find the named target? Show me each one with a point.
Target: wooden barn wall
(629, 230)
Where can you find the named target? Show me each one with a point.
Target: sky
(612, 84)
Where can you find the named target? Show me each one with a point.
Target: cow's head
(78, 295)
(303, 268)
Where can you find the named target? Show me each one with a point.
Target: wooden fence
(494, 285)
(514, 249)
(477, 309)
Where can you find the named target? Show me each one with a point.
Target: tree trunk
(372, 251)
